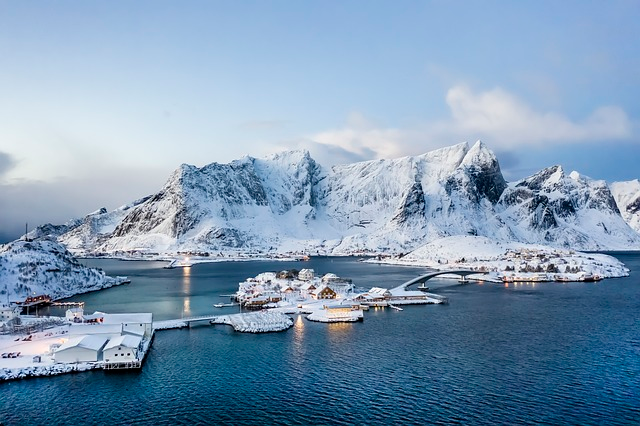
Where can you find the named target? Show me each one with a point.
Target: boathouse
(80, 349)
(122, 349)
(138, 324)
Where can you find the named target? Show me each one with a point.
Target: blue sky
(101, 100)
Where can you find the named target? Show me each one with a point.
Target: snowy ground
(256, 322)
(39, 344)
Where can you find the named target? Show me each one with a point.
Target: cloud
(57, 201)
(6, 163)
(500, 118)
(505, 119)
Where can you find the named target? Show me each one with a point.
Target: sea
(496, 354)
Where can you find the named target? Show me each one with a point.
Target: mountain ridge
(287, 202)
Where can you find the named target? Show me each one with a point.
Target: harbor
(41, 346)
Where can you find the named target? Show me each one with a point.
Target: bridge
(182, 322)
(423, 278)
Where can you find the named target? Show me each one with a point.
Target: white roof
(77, 329)
(320, 289)
(93, 342)
(305, 271)
(143, 318)
(307, 286)
(126, 341)
(379, 290)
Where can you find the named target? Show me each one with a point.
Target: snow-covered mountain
(627, 196)
(563, 210)
(45, 267)
(288, 202)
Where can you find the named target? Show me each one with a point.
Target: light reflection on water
(186, 290)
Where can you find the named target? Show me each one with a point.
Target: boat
(223, 305)
(397, 308)
(590, 278)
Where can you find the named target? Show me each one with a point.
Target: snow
(256, 322)
(93, 342)
(499, 258)
(287, 203)
(627, 196)
(46, 267)
(123, 340)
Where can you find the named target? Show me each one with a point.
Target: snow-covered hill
(46, 267)
(627, 196)
(288, 202)
(505, 258)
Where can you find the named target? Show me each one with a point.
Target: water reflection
(186, 290)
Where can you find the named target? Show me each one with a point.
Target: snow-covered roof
(143, 318)
(379, 290)
(92, 342)
(79, 329)
(124, 340)
(307, 286)
(320, 289)
(329, 276)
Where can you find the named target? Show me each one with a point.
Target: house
(106, 330)
(74, 314)
(286, 288)
(288, 274)
(138, 324)
(308, 288)
(349, 312)
(379, 293)
(8, 313)
(122, 349)
(80, 349)
(306, 274)
(323, 293)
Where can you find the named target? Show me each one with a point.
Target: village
(326, 298)
(32, 345)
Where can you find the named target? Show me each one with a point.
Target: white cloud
(496, 116)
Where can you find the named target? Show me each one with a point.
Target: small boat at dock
(397, 308)
(223, 305)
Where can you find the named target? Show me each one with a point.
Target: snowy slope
(563, 210)
(46, 267)
(287, 202)
(487, 255)
(627, 196)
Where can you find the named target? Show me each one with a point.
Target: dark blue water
(545, 354)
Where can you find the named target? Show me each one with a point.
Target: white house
(138, 324)
(74, 314)
(306, 274)
(80, 349)
(7, 313)
(122, 349)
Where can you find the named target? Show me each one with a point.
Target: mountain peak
(479, 154)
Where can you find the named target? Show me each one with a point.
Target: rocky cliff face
(627, 196)
(574, 211)
(287, 202)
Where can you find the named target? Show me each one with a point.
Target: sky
(100, 101)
